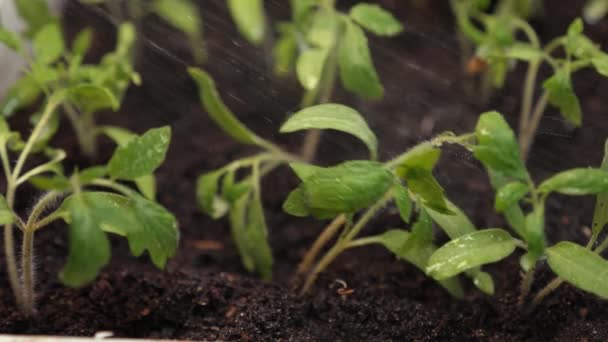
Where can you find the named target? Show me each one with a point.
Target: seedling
(93, 203)
(498, 47)
(321, 42)
(184, 16)
(53, 67)
(582, 266)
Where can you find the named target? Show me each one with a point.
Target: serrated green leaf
(218, 111)
(89, 247)
(417, 254)
(561, 95)
(468, 251)
(581, 181)
(580, 267)
(600, 214)
(6, 214)
(309, 67)
(249, 18)
(403, 201)
(347, 187)
(36, 14)
(497, 147)
(48, 43)
(182, 14)
(508, 195)
(357, 70)
(141, 156)
(90, 98)
(375, 19)
(336, 117)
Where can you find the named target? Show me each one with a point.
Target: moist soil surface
(205, 294)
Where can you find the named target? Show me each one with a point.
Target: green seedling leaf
(422, 183)
(561, 95)
(218, 111)
(284, 53)
(535, 237)
(10, 39)
(357, 70)
(182, 14)
(82, 42)
(455, 223)
(206, 193)
(48, 43)
(346, 188)
(418, 254)
(497, 148)
(36, 14)
(375, 19)
(126, 37)
(301, 8)
(600, 214)
(336, 117)
(510, 195)
(469, 251)
(90, 98)
(422, 156)
(524, 51)
(304, 170)
(600, 63)
(232, 191)
(89, 246)
(581, 181)
(141, 156)
(403, 201)
(580, 267)
(92, 173)
(249, 18)
(47, 132)
(22, 94)
(238, 227)
(295, 204)
(323, 30)
(6, 214)
(309, 67)
(484, 282)
(53, 182)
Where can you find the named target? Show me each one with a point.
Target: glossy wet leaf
(249, 18)
(600, 214)
(580, 267)
(36, 14)
(218, 111)
(336, 117)
(357, 70)
(182, 14)
(346, 188)
(141, 156)
(468, 251)
(309, 67)
(375, 19)
(417, 254)
(561, 95)
(403, 202)
(580, 181)
(89, 248)
(6, 214)
(497, 147)
(510, 194)
(90, 98)
(48, 43)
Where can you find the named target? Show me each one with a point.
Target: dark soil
(205, 294)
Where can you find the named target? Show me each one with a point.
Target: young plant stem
(84, 127)
(527, 136)
(328, 233)
(342, 244)
(528, 95)
(552, 286)
(526, 285)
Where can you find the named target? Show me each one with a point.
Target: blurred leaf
(581, 181)
(141, 156)
(375, 19)
(561, 95)
(48, 43)
(356, 66)
(82, 42)
(524, 51)
(284, 53)
(600, 214)
(323, 29)
(53, 182)
(47, 132)
(468, 251)
(90, 98)
(336, 117)
(20, 95)
(249, 18)
(182, 14)
(206, 191)
(509, 195)
(309, 67)
(36, 14)
(595, 10)
(10, 39)
(580, 267)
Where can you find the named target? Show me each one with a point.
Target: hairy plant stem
(526, 285)
(343, 242)
(552, 286)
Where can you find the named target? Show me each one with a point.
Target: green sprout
(497, 45)
(93, 203)
(53, 66)
(582, 266)
(321, 43)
